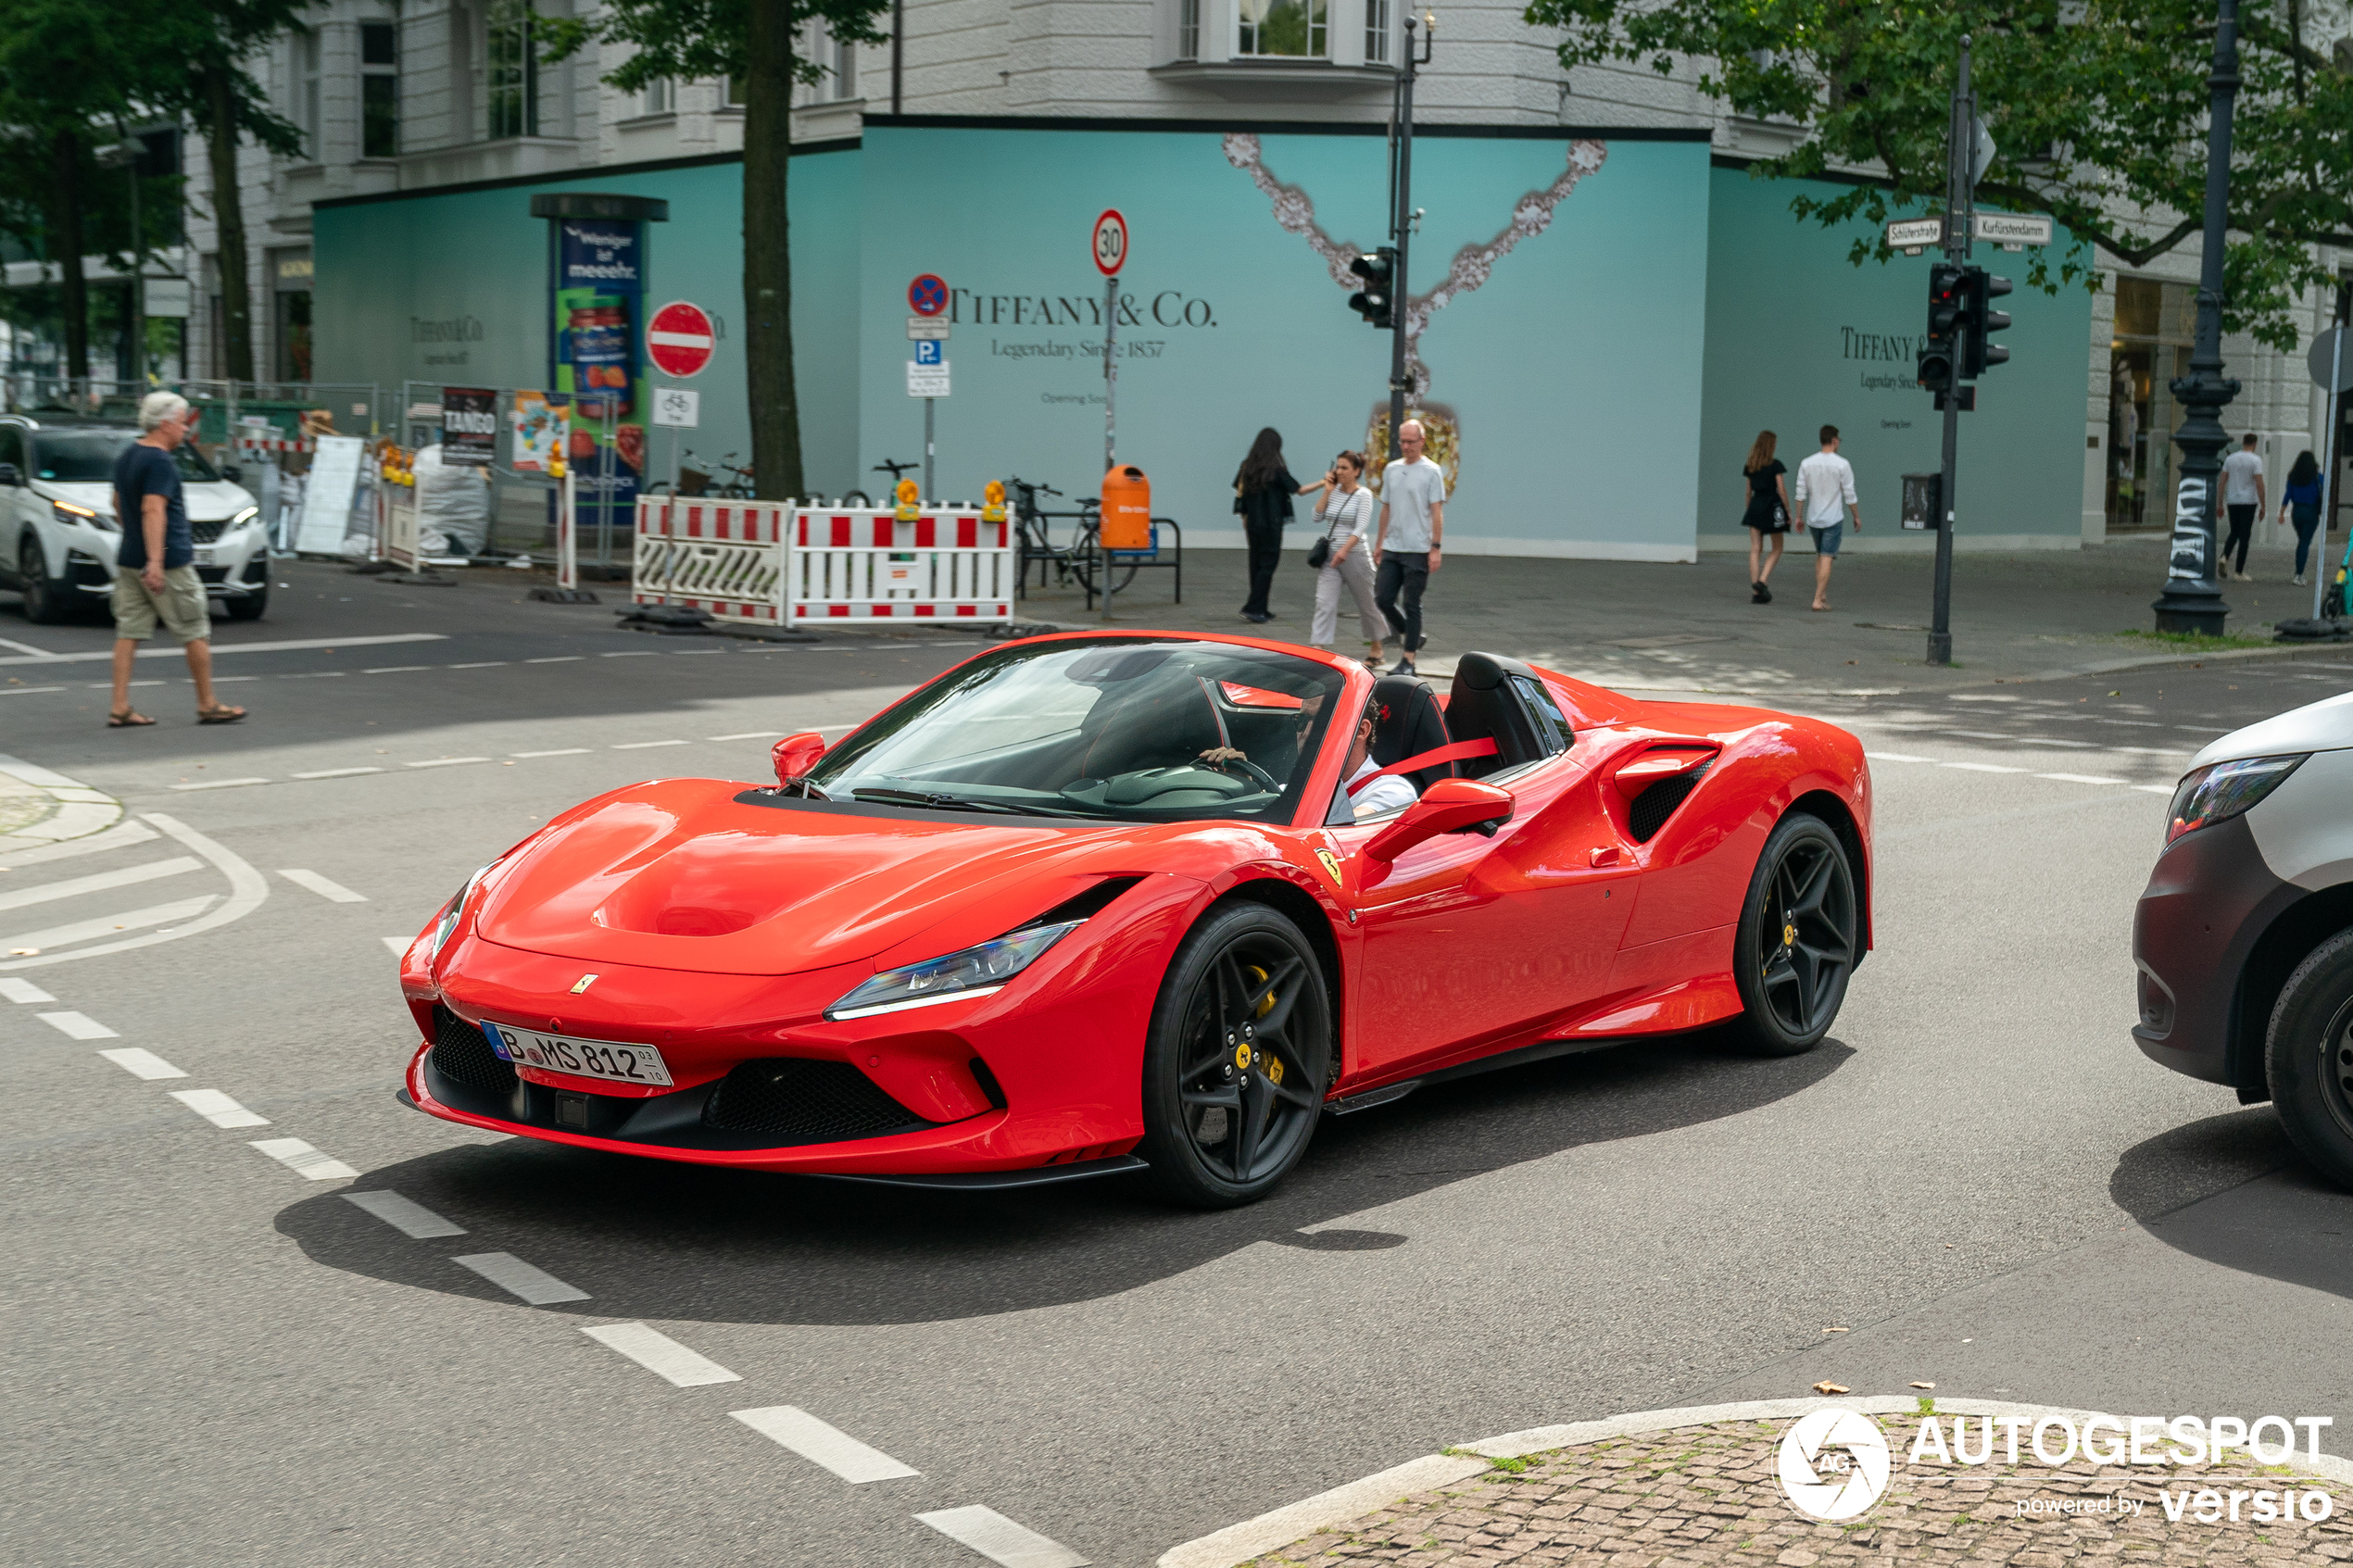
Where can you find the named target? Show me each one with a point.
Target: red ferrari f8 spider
(1115, 901)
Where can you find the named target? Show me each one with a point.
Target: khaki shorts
(181, 607)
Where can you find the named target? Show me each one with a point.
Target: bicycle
(1076, 562)
(739, 488)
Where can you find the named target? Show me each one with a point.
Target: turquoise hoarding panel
(1798, 338)
(1566, 352)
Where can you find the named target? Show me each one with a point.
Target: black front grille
(794, 1100)
(206, 533)
(1654, 805)
(462, 1053)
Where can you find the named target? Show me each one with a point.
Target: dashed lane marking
(334, 892)
(482, 664)
(337, 772)
(323, 645)
(662, 1355)
(646, 744)
(2155, 789)
(141, 1064)
(220, 784)
(28, 690)
(1001, 1540)
(635, 653)
(304, 1160)
(219, 1108)
(106, 925)
(753, 734)
(399, 945)
(1895, 756)
(77, 1025)
(405, 1215)
(397, 668)
(511, 1274)
(559, 659)
(23, 991)
(445, 761)
(820, 1444)
(1981, 767)
(560, 751)
(2080, 778)
(74, 887)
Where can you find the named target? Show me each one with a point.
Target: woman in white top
(1345, 509)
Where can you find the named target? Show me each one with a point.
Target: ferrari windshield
(1140, 730)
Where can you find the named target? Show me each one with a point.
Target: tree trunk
(64, 249)
(229, 224)
(776, 409)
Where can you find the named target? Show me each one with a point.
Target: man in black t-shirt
(155, 562)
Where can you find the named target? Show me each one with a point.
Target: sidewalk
(1647, 626)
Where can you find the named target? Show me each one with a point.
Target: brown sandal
(129, 719)
(220, 713)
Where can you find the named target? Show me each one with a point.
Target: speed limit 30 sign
(1111, 243)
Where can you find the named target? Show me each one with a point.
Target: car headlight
(242, 519)
(2222, 790)
(69, 513)
(455, 910)
(975, 972)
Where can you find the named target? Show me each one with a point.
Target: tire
(2309, 1059)
(253, 607)
(1798, 937)
(46, 600)
(1238, 1059)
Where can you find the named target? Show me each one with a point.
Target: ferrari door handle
(1605, 857)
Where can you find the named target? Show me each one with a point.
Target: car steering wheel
(1265, 779)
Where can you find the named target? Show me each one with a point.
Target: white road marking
(141, 1064)
(1982, 766)
(74, 887)
(77, 1025)
(2079, 778)
(814, 1440)
(1895, 756)
(24, 991)
(511, 1274)
(220, 784)
(635, 652)
(106, 925)
(1001, 1540)
(2156, 789)
(119, 837)
(28, 690)
(399, 945)
(411, 1219)
(559, 659)
(246, 890)
(2074, 744)
(2204, 728)
(445, 761)
(2142, 724)
(660, 1354)
(337, 772)
(753, 734)
(334, 892)
(304, 1160)
(395, 669)
(293, 645)
(646, 745)
(26, 647)
(219, 1108)
(560, 751)
(482, 664)
(1979, 735)
(35, 774)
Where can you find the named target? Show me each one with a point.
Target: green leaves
(701, 38)
(2098, 106)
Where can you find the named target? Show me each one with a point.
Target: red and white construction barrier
(272, 444)
(778, 564)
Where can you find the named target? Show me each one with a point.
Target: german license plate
(617, 1062)
(204, 555)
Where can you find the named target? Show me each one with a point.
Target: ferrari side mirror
(1451, 806)
(795, 755)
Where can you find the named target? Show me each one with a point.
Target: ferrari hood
(676, 874)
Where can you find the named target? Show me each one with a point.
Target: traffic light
(1940, 355)
(1373, 302)
(1980, 320)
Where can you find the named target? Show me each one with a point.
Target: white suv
(57, 528)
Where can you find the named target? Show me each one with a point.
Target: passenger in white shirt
(1825, 484)
(1392, 794)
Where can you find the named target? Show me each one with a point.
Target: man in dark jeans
(1406, 551)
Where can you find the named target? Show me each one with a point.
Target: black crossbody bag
(1319, 554)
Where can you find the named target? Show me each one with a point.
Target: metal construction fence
(788, 564)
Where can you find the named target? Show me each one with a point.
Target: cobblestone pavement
(1709, 1495)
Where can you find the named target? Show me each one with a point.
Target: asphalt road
(212, 1358)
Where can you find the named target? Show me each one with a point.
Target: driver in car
(1392, 792)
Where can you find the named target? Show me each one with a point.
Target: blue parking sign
(927, 351)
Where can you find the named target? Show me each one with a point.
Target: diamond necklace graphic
(1531, 214)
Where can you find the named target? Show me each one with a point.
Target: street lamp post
(2192, 600)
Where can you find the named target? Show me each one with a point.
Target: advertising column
(597, 290)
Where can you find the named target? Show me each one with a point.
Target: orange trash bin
(1128, 509)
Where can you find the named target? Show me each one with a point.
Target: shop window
(292, 323)
(2155, 325)
(513, 74)
(1377, 26)
(379, 90)
(1281, 29)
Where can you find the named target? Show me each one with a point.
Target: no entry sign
(678, 339)
(1111, 243)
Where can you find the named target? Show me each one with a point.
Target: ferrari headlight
(975, 972)
(455, 910)
(2222, 790)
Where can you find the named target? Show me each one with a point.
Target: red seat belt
(1456, 752)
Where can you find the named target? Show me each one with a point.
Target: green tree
(752, 43)
(2098, 106)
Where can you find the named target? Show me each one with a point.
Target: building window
(1189, 29)
(1281, 29)
(305, 88)
(836, 61)
(1376, 33)
(662, 97)
(379, 90)
(290, 314)
(514, 70)
(2155, 326)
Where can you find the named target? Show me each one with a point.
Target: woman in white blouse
(1345, 510)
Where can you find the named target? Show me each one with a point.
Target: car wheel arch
(2287, 939)
(1833, 811)
(1314, 922)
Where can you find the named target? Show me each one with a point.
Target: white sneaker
(2297, 580)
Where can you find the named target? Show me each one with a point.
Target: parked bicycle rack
(782, 563)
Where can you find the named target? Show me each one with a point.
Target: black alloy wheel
(1798, 940)
(248, 607)
(2309, 1059)
(1239, 1059)
(46, 600)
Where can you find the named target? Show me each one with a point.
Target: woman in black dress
(1262, 489)
(1767, 514)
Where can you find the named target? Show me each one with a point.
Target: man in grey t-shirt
(1406, 550)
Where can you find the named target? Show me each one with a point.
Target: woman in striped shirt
(1345, 511)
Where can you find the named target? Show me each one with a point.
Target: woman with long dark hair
(1767, 513)
(2300, 502)
(1262, 489)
